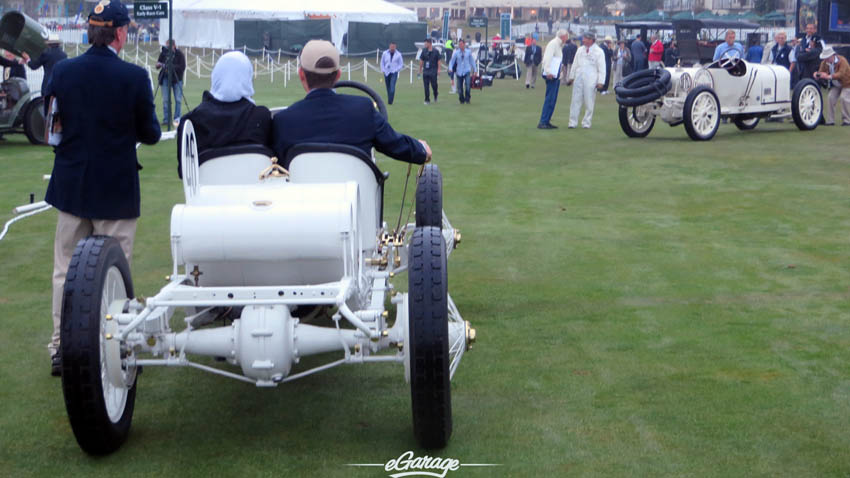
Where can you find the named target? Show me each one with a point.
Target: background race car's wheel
(636, 121)
(376, 98)
(701, 113)
(100, 411)
(34, 121)
(806, 104)
(429, 338)
(429, 197)
(745, 123)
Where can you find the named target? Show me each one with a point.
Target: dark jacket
(639, 55)
(218, 124)
(179, 63)
(16, 69)
(533, 54)
(569, 53)
(808, 61)
(324, 116)
(48, 59)
(671, 56)
(105, 106)
(781, 55)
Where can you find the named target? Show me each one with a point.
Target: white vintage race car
(700, 96)
(259, 252)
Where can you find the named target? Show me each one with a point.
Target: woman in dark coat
(227, 116)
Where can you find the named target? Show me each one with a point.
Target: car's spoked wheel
(429, 197)
(428, 331)
(636, 121)
(701, 114)
(745, 124)
(806, 104)
(99, 391)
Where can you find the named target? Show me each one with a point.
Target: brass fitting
(470, 335)
(400, 346)
(108, 317)
(108, 336)
(458, 237)
(151, 341)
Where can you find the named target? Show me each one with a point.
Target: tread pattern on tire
(429, 197)
(80, 346)
(429, 336)
(32, 105)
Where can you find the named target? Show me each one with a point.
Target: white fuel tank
(268, 234)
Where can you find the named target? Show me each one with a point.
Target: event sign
(478, 22)
(150, 10)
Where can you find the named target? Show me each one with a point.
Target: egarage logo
(408, 464)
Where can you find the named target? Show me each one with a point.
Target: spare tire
(643, 87)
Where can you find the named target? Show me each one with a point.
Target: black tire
(34, 121)
(689, 119)
(805, 118)
(746, 123)
(643, 87)
(80, 346)
(430, 388)
(429, 197)
(627, 114)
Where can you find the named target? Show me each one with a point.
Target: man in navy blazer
(324, 116)
(105, 106)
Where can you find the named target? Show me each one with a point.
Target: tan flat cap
(320, 56)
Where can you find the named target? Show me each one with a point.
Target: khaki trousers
(531, 73)
(836, 95)
(69, 230)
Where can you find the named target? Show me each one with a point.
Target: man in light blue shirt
(729, 49)
(391, 64)
(462, 64)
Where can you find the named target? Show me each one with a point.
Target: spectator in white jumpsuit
(588, 72)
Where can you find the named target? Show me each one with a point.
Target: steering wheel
(729, 63)
(376, 99)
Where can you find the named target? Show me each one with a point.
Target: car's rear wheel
(806, 105)
(429, 197)
(34, 121)
(428, 329)
(636, 121)
(701, 114)
(745, 123)
(99, 391)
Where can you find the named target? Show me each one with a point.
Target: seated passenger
(227, 116)
(324, 116)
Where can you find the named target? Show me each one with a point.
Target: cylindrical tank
(20, 33)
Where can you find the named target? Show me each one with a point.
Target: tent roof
(296, 8)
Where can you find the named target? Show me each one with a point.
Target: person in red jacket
(656, 53)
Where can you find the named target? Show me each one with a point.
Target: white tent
(210, 23)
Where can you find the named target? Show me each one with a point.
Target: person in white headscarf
(227, 116)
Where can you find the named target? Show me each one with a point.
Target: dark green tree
(636, 7)
(765, 6)
(595, 7)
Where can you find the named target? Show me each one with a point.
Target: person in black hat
(105, 106)
(171, 65)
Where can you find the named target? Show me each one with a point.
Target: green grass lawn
(645, 307)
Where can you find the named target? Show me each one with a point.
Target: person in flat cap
(325, 116)
(52, 55)
(105, 106)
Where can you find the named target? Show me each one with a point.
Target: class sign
(150, 10)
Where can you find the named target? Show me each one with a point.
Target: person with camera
(104, 107)
(171, 65)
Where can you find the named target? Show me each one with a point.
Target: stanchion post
(365, 72)
(349, 71)
(411, 72)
